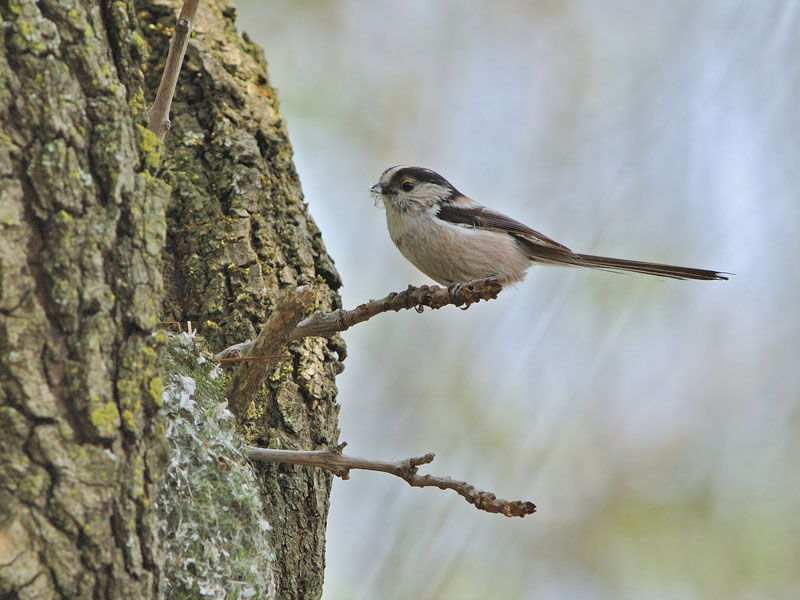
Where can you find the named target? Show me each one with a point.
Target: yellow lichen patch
(106, 419)
(156, 389)
(64, 218)
(127, 387)
(128, 420)
(139, 42)
(255, 412)
(137, 101)
(151, 148)
(26, 29)
(138, 477)
(285, 370)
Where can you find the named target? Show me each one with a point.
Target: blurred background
(655, 423)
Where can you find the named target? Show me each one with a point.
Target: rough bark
(238, 233)
(82, 229)
(81, 234)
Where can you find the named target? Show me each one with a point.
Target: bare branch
(273, 338)
(236, 359)
(159, 111)
(326, 324)
(235, 351)
(333, 460)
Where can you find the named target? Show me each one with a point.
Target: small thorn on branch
(333, 460)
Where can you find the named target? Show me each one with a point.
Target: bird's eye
(407, 186)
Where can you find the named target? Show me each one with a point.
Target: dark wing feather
(485, 218)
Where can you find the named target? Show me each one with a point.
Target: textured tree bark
(81, 234)
(238, 233)
(82, 249)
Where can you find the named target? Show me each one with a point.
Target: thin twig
(172, 322)
(235, 351)
(236, 359)
(326, 324)
(251, 374)
(333, 460)
(159, 111)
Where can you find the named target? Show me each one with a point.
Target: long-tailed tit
(453, 239)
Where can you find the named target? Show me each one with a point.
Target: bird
(453, 239)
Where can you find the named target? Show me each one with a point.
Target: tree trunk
(82, 236)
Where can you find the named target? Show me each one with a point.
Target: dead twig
(333, 460)
(235, 351)
(159, 111)
(322, 324)
(236, 359)
(273, 338)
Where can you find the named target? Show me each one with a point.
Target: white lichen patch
(215, 539)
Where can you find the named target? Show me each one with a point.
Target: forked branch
(333, 460)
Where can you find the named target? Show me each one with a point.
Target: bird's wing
(540, 248)
(465, 211)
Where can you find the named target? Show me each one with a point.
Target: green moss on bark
(238, 233)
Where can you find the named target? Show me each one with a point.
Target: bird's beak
(376, 189)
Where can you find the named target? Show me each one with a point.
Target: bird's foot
(466, 292)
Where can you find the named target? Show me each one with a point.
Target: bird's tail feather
(636, 266)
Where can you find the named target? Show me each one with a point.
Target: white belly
(450, 253)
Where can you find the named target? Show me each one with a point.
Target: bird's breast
(450, 253)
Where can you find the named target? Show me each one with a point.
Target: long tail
(636, 266)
